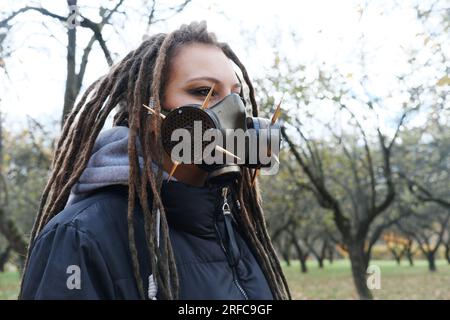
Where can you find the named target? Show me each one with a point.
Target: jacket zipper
(234, 251)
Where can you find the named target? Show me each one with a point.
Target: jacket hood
(108, 165)
(190, 208)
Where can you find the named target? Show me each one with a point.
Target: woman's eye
(202, 91)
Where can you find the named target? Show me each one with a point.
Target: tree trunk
(410, 258)
(70, 94)
(409, 253)
(431, 261)
(330, 254)
(12, 233)
(285, 254)
(300, 254)
(397, 256)
(303, 266)
(323, 253)
(320, 262)
(447, 252)
(358, 262)
(4, 256)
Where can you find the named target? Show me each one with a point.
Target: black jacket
(213, 259)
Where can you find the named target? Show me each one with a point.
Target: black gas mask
(191, 134)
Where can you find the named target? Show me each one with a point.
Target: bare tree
(396, 244)
(425, 194)
(4, 256)
(318, 246)
(447, 246)
(75, 19)
(425, 172)
(362, 193)
(300, 248)
(428, 226)
(294, 218)
(8, 227)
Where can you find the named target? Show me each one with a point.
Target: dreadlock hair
(142, 75)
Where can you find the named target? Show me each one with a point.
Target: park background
(361, 205)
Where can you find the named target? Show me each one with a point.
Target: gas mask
(191, 134)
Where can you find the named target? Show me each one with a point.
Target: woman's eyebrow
(237, 85)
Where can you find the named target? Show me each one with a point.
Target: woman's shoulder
(89, 235)
(103, 211)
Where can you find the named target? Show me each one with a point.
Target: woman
(111, 226)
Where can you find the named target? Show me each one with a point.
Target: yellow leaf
(444, 81)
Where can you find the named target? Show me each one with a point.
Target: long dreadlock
(129, 84)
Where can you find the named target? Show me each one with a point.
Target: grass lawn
(335, 281)
(9, 285)
(397, 282)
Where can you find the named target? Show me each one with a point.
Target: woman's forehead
(197, 61)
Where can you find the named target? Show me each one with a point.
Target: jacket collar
(188, 208)
(192, 209)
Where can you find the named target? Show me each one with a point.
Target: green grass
(335, 281)
(9, 285)
(397, 282)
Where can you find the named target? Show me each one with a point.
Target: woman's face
(193, 70)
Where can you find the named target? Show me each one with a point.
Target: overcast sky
(329, 32)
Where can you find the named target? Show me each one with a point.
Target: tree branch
(4, 22)
(326, 200)
(422, 193)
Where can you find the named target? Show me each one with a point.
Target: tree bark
(285, 254)
(300, 254)
(330, 254)
(4, 256)
(303, 266)
(320, 256)
(358, 263)
(323, 253)
(397, 256)
(320, 263)
(431, 258)
(447, 252)
(409, 255)
(12, 233)
(70, 93)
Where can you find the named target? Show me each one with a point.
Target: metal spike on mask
(222, 150)
(172, 171)
(208, 97)
(151, 111)
(277, 112)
